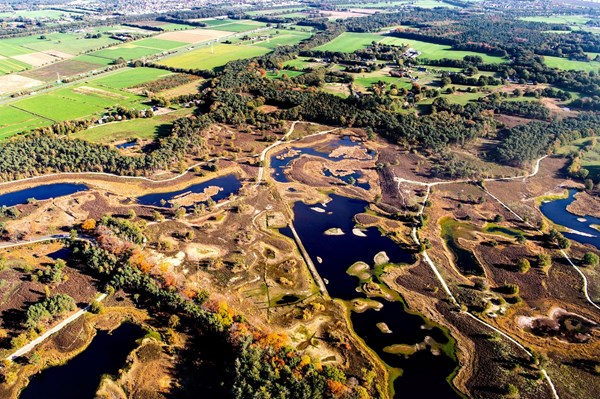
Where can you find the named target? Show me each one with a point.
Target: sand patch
(14, 83)
(36, 59)
(58, 54)
(99, 92)
(193, 35)
(196, 252)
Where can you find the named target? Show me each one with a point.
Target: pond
(334, 254)
(79, 377)
(229, 184)
(123, 146)
(41, 193)
(464, 259)
(279, 163)
(581, 229)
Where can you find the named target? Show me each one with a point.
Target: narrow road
(53, 237)
(30, 346)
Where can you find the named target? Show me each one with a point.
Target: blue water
(40, 193)
(422, 371)
(230, 184)
(126, 145)
(557, 212)
(79, 377)
(279, 165)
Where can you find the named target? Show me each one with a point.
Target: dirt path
(27, 348)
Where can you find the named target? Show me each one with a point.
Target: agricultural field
(78, 101)
(51, 72)
(566, 64)
(560, 19)
(238, 26)
(288, 73)
(8, 65)
(284, 38)
(131, 77)
(144, 128)
(192, 35)
(213, 57)
(13, 120)
(351, 41)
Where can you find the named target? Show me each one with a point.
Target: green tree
(590, 259)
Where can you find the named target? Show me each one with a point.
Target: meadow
(130, 77)
(210, 57)
(146, 128)
(13, 120)
(284, 38)
(236, 25)
(350, 41)
(559, 19)
(566, 64)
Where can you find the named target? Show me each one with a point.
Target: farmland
(566, 64)
(145, 128)
(213, 57)
(284, 38)
(77, 101)
(350, 41)
(13, 120)
(234, 25)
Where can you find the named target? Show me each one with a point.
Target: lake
(79, 377)
(424, 372)
(557, 212)
(40, 193)
(229, 184)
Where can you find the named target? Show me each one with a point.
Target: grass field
(242, 26)
(566, 64)
(71, 43)
(559, 19)
(205, 58)
(8, 65)
(350, 41)
(137, 128)
(13, 121)
(131, 77)
(590, 159)
(289, 74)
(284, 38)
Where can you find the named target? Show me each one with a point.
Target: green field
(238, 26)
(284, 38)
(434, 51)
(590, 158)
(146, 128)
(71, 43)
(13, 121)
(8, 65)
(92, 59)
(559, 19)
(131, 77)
(348, 42)
(289, 74)
(207, 58)
(566, 64)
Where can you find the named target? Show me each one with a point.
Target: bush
(523, 265)
(590, 259)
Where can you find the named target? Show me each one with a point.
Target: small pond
(279, 163)
(229, 184)
(79, 377)
(41, 193)
(581, 227)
